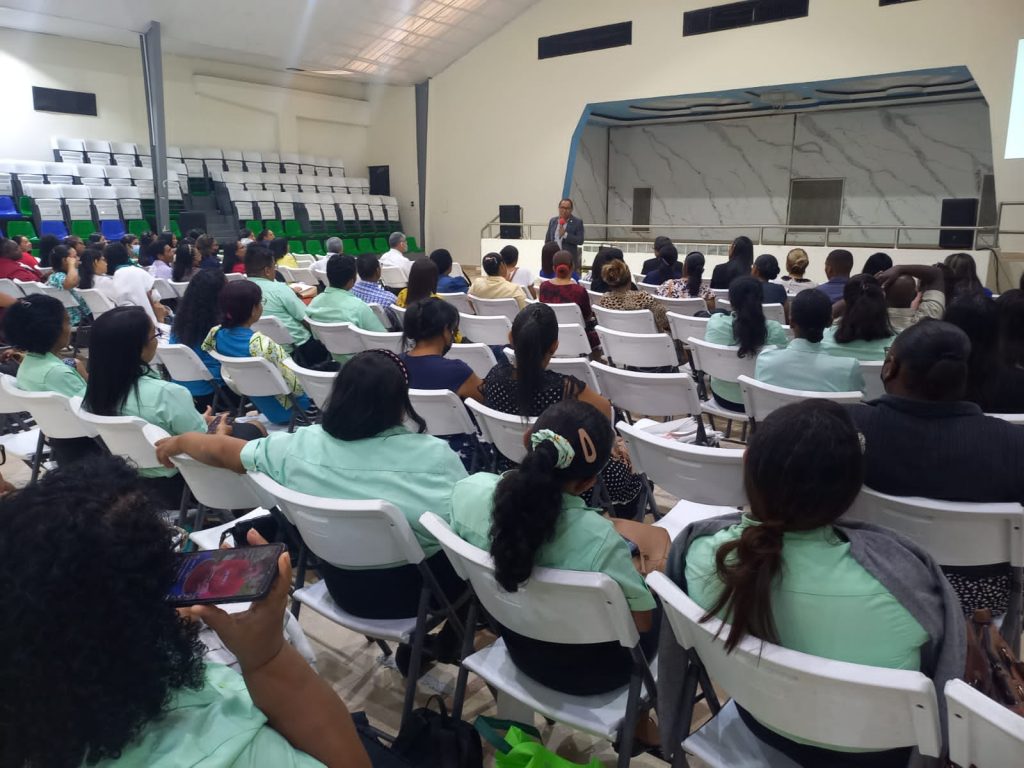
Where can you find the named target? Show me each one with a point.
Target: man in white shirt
(395, 257)
(333, 245)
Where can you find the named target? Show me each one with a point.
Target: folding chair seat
(479, 357)
(630, 321)
(494, 307)
(257, 377)
(263, 202)
(760, 399)
(125, 153)
(493, 330)
(322, 165)
(68, 150)
(307, 165)
(850, 706)
(97, 151)
(638, 350)
(599, 614)
(61, 173)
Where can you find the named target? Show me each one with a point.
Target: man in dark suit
(566, 230)
(652, 264)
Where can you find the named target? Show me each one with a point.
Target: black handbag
(432, 739)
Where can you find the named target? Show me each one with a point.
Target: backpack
(432, 739)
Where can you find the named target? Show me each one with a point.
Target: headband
(396, 359)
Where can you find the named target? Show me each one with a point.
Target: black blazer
(724, 274)
(573, 238)
(650, 265)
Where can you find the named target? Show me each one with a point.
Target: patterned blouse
(75, 315)
(676, 289)
(628, 300)
(265, 347)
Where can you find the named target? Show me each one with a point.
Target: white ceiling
(400, 42)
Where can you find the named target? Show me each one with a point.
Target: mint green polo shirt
(166, 405)
(336, 305)
(217, 726)
(859, 350)
(825, 603)
(719, 331)
(281, 302)
(415, 472)
(805, 365)
(48, 373)
(584, 540)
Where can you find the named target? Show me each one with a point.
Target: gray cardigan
(902, 567)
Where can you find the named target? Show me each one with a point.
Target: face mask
(135, 249)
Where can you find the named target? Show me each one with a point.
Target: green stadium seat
(25, 206)
(349, 244)
(82, 229)
(292, 228)
(314, 247)
(138, 227)
(365, 245)
(380, 245)
(274, 226)
(254, 226)
(22, 228)
(413, 245)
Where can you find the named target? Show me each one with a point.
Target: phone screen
(224, 575)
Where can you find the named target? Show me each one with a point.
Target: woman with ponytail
(532, 517)
(745, 328)
(528, 388)
(494, 283)
(562, 289)
(792, 572)
(690, 285)
(864, 331)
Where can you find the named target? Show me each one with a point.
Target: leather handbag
(651, 544)
(992, 667)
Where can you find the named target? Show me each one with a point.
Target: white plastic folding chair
(479, 357)
(687, 306)
(638, 350)
(493, 331)
(568, 314)
(660, 395)
(164, 290)
(458, 300)
(339, 338)
(647, 288)
(682, 327)
(28, 287)
(393, 277)
(538, 610)
(1013, 418)
(270, 326)
(317, 384)
(982, 732)
(97, 302)
(572, 341)
(362, 534)
(446, 415)
(760, 399)
(629, 321)
(179, 287)
(574, 366)
(380, 340)
(257, 377)
(720, 294)
(720, 362)
(10, 288)
(183, 364)
(871, 370)
(502, 430)
(849, 706)
(494, 307)
(957, 533)
(771, 311)
(67, 298)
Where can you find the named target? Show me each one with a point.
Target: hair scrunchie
(563, 447)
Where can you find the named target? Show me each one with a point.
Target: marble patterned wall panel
(723, 172)
(898, 162)
(590, 179)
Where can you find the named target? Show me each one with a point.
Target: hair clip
(587, 444)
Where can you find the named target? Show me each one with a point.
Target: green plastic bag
(520, 747)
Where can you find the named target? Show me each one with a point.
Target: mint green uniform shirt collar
(336, 305)
(48, 373)
(807, 366)
(281, 302)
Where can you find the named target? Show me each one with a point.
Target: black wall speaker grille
(746, 14)
(510, 217)
(56, 100)
(958, 212)
(583, 40)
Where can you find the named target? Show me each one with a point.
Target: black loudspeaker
(510, 216)
(380, 179)
(958, 212)
(192, 220)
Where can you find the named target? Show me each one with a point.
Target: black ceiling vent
(745, 14)
(583, 40)
(893, 2)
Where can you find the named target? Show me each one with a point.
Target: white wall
(499, 134)
(590, 181)
(207, 103)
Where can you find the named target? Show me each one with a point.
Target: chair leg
(200, 518)
(467, 648)
(37, 460)
(627, 732)
(300, 577)
(186, 497)
(1011, 629)
(384, 647)
(416, 656)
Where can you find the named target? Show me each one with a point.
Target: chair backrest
(568, 314)
(339, 338)
(688, 306)
(346, 534)
(67, 298)
(443, 411)
(458, 300)
(393, 277)
(182, 363)
(650, 394)
(380, 340)
(572, 341)
(871, 370)
(573, 366)
(683, 327)
(52, 411)
(164, 290)
(760, 399)
(127, 436)
(493, 331)
(10, 288)
(316, 384)
(645, 287)
(506, 307)
(637, 350)
(629, 321)
(955, 533)
(216, 488)
(829, 702)
(720, 294)
(720, 361)
(96, 301)
(253, 376)
(479, 357)
(982, 732)
(502, 430)
(691, 472)
(539, 607)
(270, 326)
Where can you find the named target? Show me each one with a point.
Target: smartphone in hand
(224, 575)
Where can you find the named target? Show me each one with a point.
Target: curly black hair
(90, 652)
